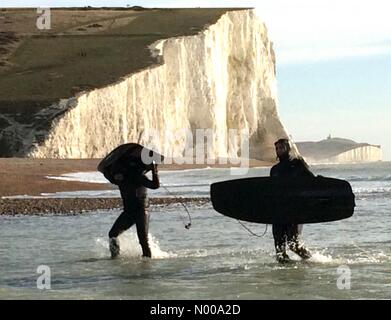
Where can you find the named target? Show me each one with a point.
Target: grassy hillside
(84, 49)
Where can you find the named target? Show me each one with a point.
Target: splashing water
(321, 258)
(130, 247)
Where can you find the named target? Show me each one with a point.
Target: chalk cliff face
(220, 79)
(361, 154)
(338, 150)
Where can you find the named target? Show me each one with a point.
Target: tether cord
(188, 225)
(252, 233)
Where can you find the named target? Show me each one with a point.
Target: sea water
(216, 258)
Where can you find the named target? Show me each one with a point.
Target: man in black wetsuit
(288, 233)
(132, 185)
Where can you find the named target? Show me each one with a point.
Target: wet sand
(28, 177)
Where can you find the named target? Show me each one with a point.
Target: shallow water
(215, 259)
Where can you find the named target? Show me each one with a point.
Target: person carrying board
(288, 234)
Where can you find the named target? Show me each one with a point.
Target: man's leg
(142, 224)
(279, 234)
(123, 223)
(293, 237)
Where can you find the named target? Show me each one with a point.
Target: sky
(333, 62)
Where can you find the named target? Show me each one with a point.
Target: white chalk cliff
(339, 150)
(220, 79)
(360, 154)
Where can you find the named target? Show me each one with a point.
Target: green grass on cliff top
(84, 49)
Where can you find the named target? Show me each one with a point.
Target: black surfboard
(275, 200)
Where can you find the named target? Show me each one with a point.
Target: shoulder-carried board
(275, 200)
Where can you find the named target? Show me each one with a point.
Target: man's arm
(151, 184)
(273, 171)
(304, 168)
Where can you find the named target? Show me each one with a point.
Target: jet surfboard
(277, 200)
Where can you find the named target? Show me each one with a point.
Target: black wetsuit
(289, 233)
(134, 197)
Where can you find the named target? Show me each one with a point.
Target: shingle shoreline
(67, 206)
